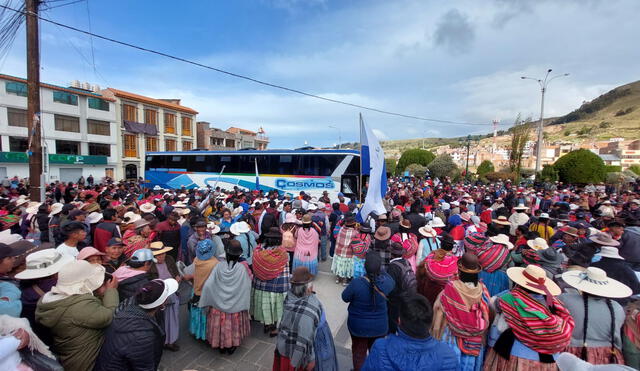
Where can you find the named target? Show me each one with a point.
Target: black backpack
(408, 281)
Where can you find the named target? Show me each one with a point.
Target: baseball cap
(143, 255)
(115, 242)
(8, 251)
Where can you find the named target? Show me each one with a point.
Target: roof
(609, 157)
(152, 101)
(236, 130)
(82, 92)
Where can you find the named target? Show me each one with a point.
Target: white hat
(131, 217)
(7, 238)
(170, 286)
(32, 207)
(312, 206)
(427, 231)
(21, 200)
(604, 239)
(437, 222)
(523, 277)
(147, 207)
(238, 228)
(502, 239)
(179, 204)
(157, 188)
(538, 244)
(237, 211)
(213, 228)
(79, 277)
(544, 216)
(610, 252)
(94, 217)
(595, 281)
(182, 210)
(520, 207)
(55, 209)
(43, 263)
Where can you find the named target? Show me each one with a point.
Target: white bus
(287, 171)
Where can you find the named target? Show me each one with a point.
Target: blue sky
(455, 60)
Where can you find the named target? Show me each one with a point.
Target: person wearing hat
(91, 254)
(518, 218)
(367, 298)
(204, 262)
(428, 243)
(164, 268)
(321, 224)
(133, 274)
(227, 292)
(457, 232)
(408, 240)
(539, 253)
(629, 242)
(138, 238)
(106, 230)
(114, 255)
(360, 244)
(461, 314)
(307, 241)
(74, 233)
(568, 237)
(10, 303)
(437, 269)
(243, 233)
(201, 231)
(381, 244)
(270, 281)
(54, 223)
(169, 234)
(596, 338)
(342, 264)
(76, 317)
(525, 341)
(133, 341)
(303, 334)
(542, 227)
(494, 256)
(614, 265)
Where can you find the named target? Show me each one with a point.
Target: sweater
(366, 319)
(599, 326)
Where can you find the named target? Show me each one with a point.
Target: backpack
(319, 220)
(288, 240)
(407, 276)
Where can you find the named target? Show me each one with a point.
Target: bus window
(354, 166)
(349, 185)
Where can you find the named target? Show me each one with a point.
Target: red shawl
(268, 264)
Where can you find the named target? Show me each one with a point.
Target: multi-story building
(79, 131)
(149, 125)
(214, 139)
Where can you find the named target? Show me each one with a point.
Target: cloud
(454, 32)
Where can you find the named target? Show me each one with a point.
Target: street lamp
(466, 171)
(339, 135)
(543, 88)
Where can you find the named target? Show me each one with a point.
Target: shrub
(567, 133)
(416, 170)
(623, 112)
(612, 169)
(414, 156)
(584, 130)
(635, 169)
(486, 166)
(581, 166)
(442, 166)
(526, 173)
(500, 175)
(604, 125)
(548, 173)
(391, 165)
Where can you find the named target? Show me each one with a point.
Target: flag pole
(219, 175)
(360, 185)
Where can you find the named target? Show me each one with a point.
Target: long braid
(585, 299)
(612, 356)
(372, 282)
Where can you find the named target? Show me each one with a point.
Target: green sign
(21, 157)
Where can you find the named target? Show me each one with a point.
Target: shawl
(492, 256)
(534, 325)
(409, 242)
(202, 270)
(466, 310)
(227, 289)
(296, 334)
(474, 241)
(307, 244)
(134, 242)
(360, 245)
(343, 242)
(268, 264)
(440, 265)
(8, 221)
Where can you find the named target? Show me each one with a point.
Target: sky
(449, 60)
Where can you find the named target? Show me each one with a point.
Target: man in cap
(10, 303)
(133, 275)
(114, 255)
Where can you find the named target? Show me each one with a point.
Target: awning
(139, 127)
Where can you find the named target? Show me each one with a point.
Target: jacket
(77, 324)
(132, 342)
(402, 352)
(103, 233)
(366, 319)
(129, 287)
(629, 243)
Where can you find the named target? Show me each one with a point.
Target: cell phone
(107, 277)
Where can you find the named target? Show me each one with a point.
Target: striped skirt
(198, 322)
(226, 330)
(598, 355)
(494, 362)
(358, 267)
(312, 265)
(342, 267)
(266, 306)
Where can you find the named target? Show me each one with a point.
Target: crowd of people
(453, 276)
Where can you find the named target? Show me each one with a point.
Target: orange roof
(59, 88)
(239, 130)
(152, 101)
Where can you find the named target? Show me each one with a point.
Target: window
(99, 149)
(169, 123)
(130, 145)
(129, 112)
(66, 98)
(186, 125)
(18, 144)
(108, 172)
(67, 123)
(97, 103)
(186, 146)
(169, 145)
(67, 147)
(230, 143)
(97, 127)
(16, 88)
(17, 117)
(151, 144)
(216, 141)
(150, 116)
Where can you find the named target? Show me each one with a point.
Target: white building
(79, 131)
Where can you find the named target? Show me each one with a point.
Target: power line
(248, 78)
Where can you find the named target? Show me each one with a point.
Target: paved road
(256, 351)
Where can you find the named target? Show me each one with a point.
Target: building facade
(214, 139)
(148, 124)
(79, 131)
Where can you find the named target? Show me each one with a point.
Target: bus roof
(268, 151)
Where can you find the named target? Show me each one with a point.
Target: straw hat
(22, 200)
(502, 220)
(43, 263)
(131, 217)
(427, 231)
(533, 278)
(7, 238)
(520, 207)
(213, 228)
(238, 228)
(291, 218)
(610, 252)
(405, 223)
(382, 233)
(55, 209)
(147, 207)
(538, 244)
(595, 281)
(502, 239)
(437, 223)
(32, 207)
(140, 223)
(306, 219)
(312, 206)
(94, 217)
(87, 252)
(158, 248)
(571, 231)
(465, 216)
(604, 239)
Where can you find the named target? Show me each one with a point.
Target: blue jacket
(404, 353)
(364, 319)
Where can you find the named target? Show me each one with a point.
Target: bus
(287, 171)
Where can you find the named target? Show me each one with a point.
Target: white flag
(372, 159)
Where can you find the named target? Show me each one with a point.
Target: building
(149, 125)
(79, 131)
(214, 139)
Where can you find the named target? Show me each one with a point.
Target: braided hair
(583, 354)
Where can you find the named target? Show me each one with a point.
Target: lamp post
(339, 135)
(468, 140)
(543, 88)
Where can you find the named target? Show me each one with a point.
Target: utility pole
(33, 101)
(466, 171)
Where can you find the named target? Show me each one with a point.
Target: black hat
(8, 251)
(70, 227)
(233, 247)
(116, 241)
(397, 249)
(274, 232)
(372, 262)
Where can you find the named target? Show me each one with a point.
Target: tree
(391, 165)
(548, 173)
(416, 170)
(414, 156)
(485, 166)
(580, 166)
(442, 166)
(519, 137)
(635, 169)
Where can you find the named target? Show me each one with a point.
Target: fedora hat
(55, 209)
(502, 220)
(43, 263)
(274, 232)
(469, 263)
(238, 228)
(383, 233)
(520, 207)
(158, 248)
(130, 217)
(213, 228)
(610, 252)
(595, 281)
(94, 217)
(437, 222)
(604, 239)
(538, 244)
(140, 223)
(405, 223)
(427, 231)
(349, 221)
(301, 275)
(32, 207)
(533, 278)
(147, 207)
(571, 231)
(465, 216)
(502, 239)
(306, 219)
